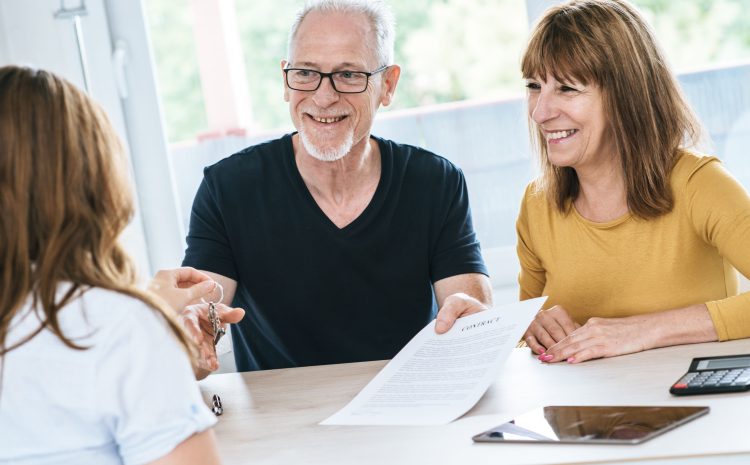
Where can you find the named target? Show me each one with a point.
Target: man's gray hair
(377, 11)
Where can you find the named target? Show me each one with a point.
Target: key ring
(213, 318)
(221, 294)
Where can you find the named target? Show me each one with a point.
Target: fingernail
(542, 355)
(571, 360)
(546, 357)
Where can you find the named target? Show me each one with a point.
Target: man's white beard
(329, 153)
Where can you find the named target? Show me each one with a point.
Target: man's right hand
(548, 328)
(196, 323)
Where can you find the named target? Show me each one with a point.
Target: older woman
(633, 237)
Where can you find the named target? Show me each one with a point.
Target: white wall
(33, 37)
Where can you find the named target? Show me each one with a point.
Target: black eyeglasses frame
(330, 78)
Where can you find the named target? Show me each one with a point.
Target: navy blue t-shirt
(316, 294)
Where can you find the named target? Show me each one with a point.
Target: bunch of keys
(213, 318)
(218, 332)
(217, 408)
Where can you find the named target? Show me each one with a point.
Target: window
(460, 94)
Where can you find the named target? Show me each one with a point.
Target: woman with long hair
(93, 370)
(634, 236)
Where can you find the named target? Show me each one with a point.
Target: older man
(340, 245)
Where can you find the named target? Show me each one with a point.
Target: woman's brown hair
(65, 198)
(608, 43)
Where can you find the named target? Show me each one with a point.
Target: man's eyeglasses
(345, 82)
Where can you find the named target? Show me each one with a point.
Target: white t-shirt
(129, 399)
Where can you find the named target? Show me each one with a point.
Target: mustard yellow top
(631, 266)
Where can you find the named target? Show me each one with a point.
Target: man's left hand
(454, 307)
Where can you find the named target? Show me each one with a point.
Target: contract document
(437, 378)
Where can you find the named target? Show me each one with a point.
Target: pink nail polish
(546, 357)
(571, 360)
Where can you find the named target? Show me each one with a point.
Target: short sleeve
(146, 391)
(532, 276)
(457, 250)
(208, 246)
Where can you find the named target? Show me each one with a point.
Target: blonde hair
(608, 43)
(64, 197)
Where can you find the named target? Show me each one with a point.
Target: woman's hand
(548, 328)
(607, 337)
(181, 287)
(601, 337)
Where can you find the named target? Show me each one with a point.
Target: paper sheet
(437, 378)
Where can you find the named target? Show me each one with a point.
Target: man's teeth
(559, 134)
(328, 120)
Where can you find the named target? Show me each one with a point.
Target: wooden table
(271, 417)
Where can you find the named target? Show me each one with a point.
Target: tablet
(591, 424)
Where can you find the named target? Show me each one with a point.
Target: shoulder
(95, 318)
(696, 176)
(534, 198)
(693, 170)
(250, 159)
(419, 161)
(688, 164)
(537, 213)
(102, 315)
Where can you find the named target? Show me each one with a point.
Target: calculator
(711, 375)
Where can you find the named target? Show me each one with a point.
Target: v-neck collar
(372, 208)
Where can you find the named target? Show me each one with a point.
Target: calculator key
(680, 386)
